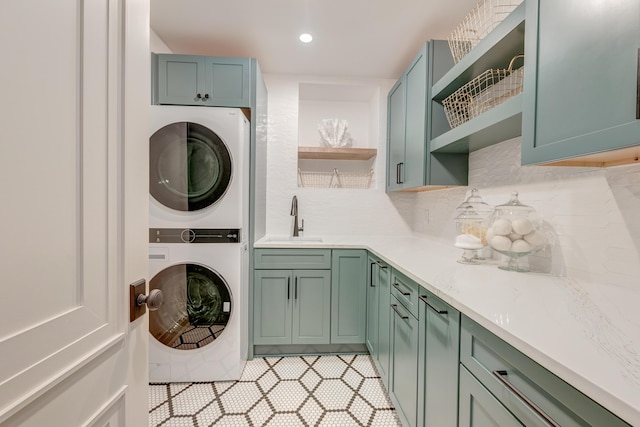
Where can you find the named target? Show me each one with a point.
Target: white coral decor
(333, 133)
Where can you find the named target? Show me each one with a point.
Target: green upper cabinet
(409, 118)
(395, 135)
(348, 296)
(201, 80)
(582, 83)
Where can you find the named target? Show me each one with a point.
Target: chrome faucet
(294, 213)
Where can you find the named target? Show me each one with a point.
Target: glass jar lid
(474, 203)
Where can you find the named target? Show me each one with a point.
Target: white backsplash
(594, 213)
(328, 211)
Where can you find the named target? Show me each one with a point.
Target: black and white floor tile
(338, 391)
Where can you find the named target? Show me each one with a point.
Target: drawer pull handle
(397, 286)
(501, 375)
(296, 289)
(395, 308)
(382, 266)
(288, 287)
(431, 306)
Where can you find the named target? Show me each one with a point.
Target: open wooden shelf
(328, 153)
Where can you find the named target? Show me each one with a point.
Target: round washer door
(196, 307)
(190, 166)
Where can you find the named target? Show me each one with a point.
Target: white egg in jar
(502, 227)
(522, 226)
(501, 243)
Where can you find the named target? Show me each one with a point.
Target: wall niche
(322, 166)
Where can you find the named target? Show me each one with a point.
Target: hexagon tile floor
(337, 391)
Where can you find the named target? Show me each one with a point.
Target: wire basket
(484, 92)
(483, 18)
(316, 179)
(354, 179)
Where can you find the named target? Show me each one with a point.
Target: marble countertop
(578, 330)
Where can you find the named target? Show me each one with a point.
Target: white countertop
(573, 328)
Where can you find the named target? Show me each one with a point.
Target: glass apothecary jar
(471, 227)
(515, 230)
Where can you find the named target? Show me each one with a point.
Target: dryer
(198, 167)
(199, 332)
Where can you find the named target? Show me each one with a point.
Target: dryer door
(196, 307)
(190, 166)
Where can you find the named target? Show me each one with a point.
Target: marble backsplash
(593, 213)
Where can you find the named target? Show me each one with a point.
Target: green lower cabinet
(377, 318)
(479, 408)
(383, 280)
(372, 308)
(348, 296)
(292, 307)
(525, 389)
(403, 370)
(438, 362)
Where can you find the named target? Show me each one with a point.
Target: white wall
(335, 211)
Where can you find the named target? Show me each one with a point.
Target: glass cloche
(471, 227)
(515, 230)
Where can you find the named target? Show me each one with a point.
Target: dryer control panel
(194, 235)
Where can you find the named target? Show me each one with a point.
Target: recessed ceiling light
(305, 38)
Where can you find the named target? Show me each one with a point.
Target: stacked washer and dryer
(198, 255)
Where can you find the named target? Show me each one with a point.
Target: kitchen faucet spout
(294, 213)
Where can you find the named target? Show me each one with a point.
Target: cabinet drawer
(478, 407)
(406, 291)
(292, 259)
(532, 393)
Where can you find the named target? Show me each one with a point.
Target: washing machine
(198, 167)
(199, 333)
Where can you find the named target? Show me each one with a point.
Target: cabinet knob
(199, 96)
(206, 96)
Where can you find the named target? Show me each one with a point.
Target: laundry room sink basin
(291, 239)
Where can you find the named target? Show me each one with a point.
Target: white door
(74, 97)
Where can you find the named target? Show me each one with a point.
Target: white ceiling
(352, 38)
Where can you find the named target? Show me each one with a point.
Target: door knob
(153, 300)
(138, 301)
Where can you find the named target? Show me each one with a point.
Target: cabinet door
(384, 332)
(438, 360)
(478, 407)
(416, 121)
(403, 375)
(581, 87)
(372, 309)
(227, 82)
(348, 296)
(311, 294)
(272, 306)
(181, 78)
(395, 136)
